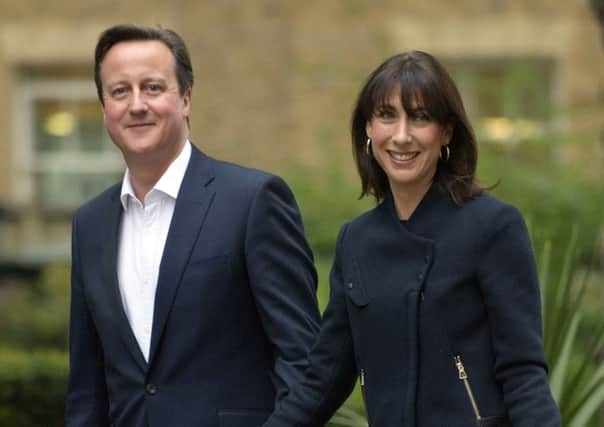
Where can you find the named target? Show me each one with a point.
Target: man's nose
(138, 102)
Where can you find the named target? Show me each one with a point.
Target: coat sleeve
(508, 279)
(283, 280)
(331, 374)
(87, 402)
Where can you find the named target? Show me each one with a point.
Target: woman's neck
(407, 199)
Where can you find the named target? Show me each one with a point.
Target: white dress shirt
(143, 232)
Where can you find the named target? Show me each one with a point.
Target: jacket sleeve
(87, 402)
(283, 280)
(508, 279)
(330, 377)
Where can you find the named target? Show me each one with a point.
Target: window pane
(65, 191)
(53, 125)
(74, 159)
(69, 125)
(508, 99)
(92, 134)
(514, 88)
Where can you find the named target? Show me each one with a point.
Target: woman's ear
(368, 129)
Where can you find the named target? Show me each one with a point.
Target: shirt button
(427, 259)
(151, 389)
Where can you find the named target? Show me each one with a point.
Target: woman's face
(406, 144)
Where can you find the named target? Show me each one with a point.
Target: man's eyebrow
(117, 82)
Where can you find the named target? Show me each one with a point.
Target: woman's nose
(401, 131)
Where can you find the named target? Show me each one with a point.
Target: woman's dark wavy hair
(132, 32)
(420, 78)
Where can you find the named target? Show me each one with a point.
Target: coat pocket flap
(355, 289)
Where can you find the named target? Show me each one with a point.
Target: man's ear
(104, 115)
(186, 99)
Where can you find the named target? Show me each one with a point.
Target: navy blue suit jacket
(407, 297)
(235, 307)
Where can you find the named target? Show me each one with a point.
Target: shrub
(32, 387)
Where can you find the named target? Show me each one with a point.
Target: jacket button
(349, 285)
(151, 389)
(427, 259)
(420, 277)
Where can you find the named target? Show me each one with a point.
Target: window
(509, 100)
(66, 156)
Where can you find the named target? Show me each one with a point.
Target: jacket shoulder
(238, 176)
(488, 209)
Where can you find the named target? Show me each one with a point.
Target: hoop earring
(368, 147)
(445, 158)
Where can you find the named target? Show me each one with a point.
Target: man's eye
(153, 88)
(118, 91)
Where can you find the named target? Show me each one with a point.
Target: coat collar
(194, 198)
(429, 216)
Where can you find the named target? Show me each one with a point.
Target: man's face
(144, 113)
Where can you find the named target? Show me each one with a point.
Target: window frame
(30, 162)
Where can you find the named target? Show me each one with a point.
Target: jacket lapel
(194, 199)
(109, 256)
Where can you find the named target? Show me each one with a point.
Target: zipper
(463, 375)
(362, 377)
(363, 392)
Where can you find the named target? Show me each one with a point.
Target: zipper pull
(463, 375)
(362, 377)
(462, 371)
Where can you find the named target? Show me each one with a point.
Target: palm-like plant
(576, 374)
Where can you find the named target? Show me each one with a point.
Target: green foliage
(550, 195)
(346, 417)
(327, 201)
(35, 315)
(33, 358)
(32, 387)
(576, 374)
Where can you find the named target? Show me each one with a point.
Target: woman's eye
(384, 114)
(420, 116)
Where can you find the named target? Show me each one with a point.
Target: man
(193, 287)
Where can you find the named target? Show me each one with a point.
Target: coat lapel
(194, 199)
(109, 256)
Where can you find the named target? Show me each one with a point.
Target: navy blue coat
(407, 298)
(235, 308)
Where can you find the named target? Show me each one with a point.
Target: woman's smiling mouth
(401, 157)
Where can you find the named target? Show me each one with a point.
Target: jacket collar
(429, 216)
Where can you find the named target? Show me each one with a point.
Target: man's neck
(145, 171)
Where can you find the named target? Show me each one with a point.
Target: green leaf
(561, 367)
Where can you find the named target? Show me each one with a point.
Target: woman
(434, 301)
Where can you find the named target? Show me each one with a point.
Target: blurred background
(275, 84)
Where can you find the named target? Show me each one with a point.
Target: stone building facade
(275, 82)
